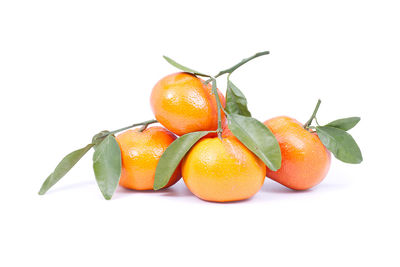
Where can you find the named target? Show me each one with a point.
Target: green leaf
(236, 102)
(257, 138)
(345, 124)
(340, 143)
(63, 168)
(173, 155)
(107, 165)
(181, 67)
(100, 137)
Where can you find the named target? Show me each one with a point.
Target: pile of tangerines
(211, 140)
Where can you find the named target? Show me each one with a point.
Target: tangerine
(305, 160)
(182, 103)
(140, 153)
(222, 170)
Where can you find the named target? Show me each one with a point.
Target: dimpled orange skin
(183, 104)
(222, 171)
(140, 153)
(305, 160)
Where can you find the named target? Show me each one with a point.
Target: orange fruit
(140, 153)
(222, 170)
(305, 160)
(183, 104)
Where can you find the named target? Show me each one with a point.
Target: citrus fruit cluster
(213, 142)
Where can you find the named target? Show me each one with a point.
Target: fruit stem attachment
(144, 127)
(235, 67)
(145, 124)
(219, 106)
(308, 123)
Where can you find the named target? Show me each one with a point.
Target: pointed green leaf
(173, 155)
(63, 168)
(236, 102)
(345, 124)
(181, 67)
(107, 165)
(257, 138)
(340, 143)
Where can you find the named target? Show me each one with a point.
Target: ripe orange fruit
(222, 170)
(183, 104)
(305, 160)
(140, 153)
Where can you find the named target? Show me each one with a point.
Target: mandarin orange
(140, 153)
(305, 160)
(182, 103)
(222, 170)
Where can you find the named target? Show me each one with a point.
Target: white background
(69, 69)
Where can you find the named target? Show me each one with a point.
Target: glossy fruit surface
(305, 160)
(183, 104)
(222, 170)
(140, 153)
